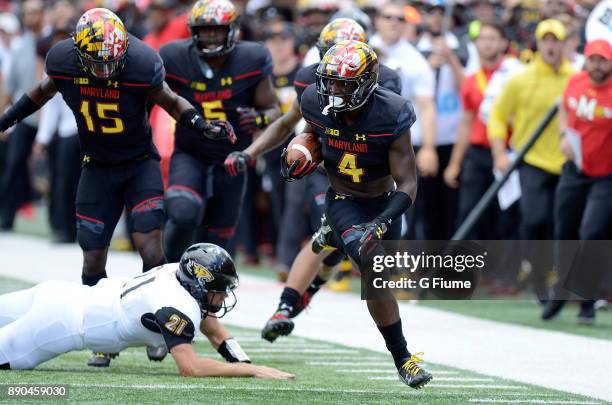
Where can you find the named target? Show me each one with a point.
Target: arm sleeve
(176, 327)
(502, 111)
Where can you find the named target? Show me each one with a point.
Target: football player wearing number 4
(309, 270)
(367, 153)
(161, 307)
(107, 77)
(225, 80)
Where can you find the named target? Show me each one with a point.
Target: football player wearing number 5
(367, 153)
(107, 77)
(224, 80)
(161, 307)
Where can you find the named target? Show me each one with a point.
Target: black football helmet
(346, 77)
(206, 269)
(214, 13)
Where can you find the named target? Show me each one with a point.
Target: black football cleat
(278, 325)
(552, 309)
(99, 359)
(304, 301)
(412, 374)
(157, 353)
(586, 316)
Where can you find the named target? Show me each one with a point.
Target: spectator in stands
(23, 72)
(523, 103)
(471, 164)
(164, 25)
(447, 55)
(583, 208)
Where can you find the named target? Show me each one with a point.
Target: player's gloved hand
(237, 162)
(291, 172)
(220, 130)
(373, 232)
(250, 120)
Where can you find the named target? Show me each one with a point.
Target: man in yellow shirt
(523, 103)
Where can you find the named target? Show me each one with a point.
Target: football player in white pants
(160, 307)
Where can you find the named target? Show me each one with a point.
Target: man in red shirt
(165, 25)
(471, 163)
(584, 195)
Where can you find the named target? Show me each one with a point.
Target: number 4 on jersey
(348, 167)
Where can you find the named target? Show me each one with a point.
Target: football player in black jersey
(367, 153)
(108, 77)
(225, 80)
(303, 281)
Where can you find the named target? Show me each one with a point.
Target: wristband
(261, 121)
(397, 205)
(231, 351)
(23, 108)
(193, 120)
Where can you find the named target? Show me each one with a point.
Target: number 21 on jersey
(348, 167)
(176, 324)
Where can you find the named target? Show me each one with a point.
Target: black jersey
(217, 97)
(387, 78)
(111, 114)
(360, 152)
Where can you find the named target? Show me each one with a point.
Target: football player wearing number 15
(161, 307)
(226, 80)
(107, 77)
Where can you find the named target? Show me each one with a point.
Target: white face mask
(334, 101)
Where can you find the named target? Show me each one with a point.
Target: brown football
(304, 147)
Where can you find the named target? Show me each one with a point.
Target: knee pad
(184, 207)
(147, 215)
(90, 233)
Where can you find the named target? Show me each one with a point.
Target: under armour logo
(360, 137)
(339, 197)
(112, 83)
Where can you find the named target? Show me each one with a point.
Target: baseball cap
(551, 26)
(599, 47)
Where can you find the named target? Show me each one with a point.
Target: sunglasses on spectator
(397, 18)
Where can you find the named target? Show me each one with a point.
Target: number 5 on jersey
(176, 324)
(348, 167)
(213, 110)
(101, 109)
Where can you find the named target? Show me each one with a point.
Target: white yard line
(389, 371)
(530, 401)
(549, 359)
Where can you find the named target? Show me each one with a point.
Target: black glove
(373, 232)
(237, 162)
(291, 173)
(219, 130)
(250, 120)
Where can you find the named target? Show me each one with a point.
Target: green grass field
(326, 373)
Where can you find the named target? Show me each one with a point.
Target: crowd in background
(448, 58)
